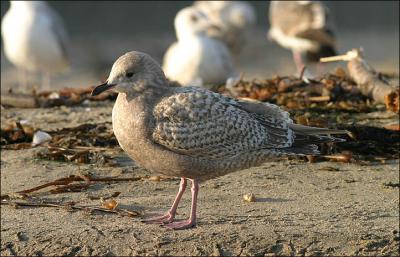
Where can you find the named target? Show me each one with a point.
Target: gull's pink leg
(191, 222)
(298, 60)
(320, 69)
(169, 216)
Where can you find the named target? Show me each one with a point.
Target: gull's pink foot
(166, 218)
(184, 224)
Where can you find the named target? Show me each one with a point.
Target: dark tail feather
(307, 138)
(300, 150)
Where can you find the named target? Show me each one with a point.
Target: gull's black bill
(101, 88)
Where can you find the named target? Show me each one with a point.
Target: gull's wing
(203, 124)
(294, 19)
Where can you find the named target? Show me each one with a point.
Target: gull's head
(304, 2)
(212, 5)
(133, 72)
(191, 21)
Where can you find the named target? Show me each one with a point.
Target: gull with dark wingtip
(196, 134)
(303, 27)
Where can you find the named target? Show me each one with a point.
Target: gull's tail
(307, 138)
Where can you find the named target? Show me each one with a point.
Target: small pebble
(249, 197)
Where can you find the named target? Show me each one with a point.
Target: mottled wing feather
(321, 36)
(290, 17)
(200, 123)
(307, 21)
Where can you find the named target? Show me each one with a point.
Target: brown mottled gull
(304, 27)
(193, 133)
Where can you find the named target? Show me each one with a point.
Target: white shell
(40, 137)
(54, 95)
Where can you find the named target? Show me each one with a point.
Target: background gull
(233, 17)
(196, 59)
(34, 39)
(193, 133)
(304, 27)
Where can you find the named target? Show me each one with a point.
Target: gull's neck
(189, 36)
(149, 88)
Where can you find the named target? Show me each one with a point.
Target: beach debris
(369, 81)
(391, 184)
(40, 137)
(249, 197)
(80, 182)
(86, 143)
(15, 132)
(345, 156)
(369, 143)
(45, 99)
(395, 127)
(69, 206)
(56, 153)
(68, 96)
(72, 183)
(333, 91)
(110, 204)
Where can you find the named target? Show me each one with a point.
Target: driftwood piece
(370, 84)
(368, 80)
(19, 100)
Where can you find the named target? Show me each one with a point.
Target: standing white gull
(233, 17)
(196, 59)
(34, 39)
(193, 133)
(304, 27)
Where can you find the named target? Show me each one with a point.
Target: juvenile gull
(196, 59)
(196, 134)
(233, 17)
(34, 39)
(304, 27)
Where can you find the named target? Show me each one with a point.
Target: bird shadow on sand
(272, 200)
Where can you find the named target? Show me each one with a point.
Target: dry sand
(304, 209)
(324, 208)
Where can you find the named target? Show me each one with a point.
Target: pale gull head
(133, 72)
(191, 22)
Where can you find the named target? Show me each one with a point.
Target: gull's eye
(194, 18)
(129, 74)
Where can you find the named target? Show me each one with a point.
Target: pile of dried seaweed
(86, 143)
(371, 143)
(334, 91)
(74, 183)
(15, 132)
